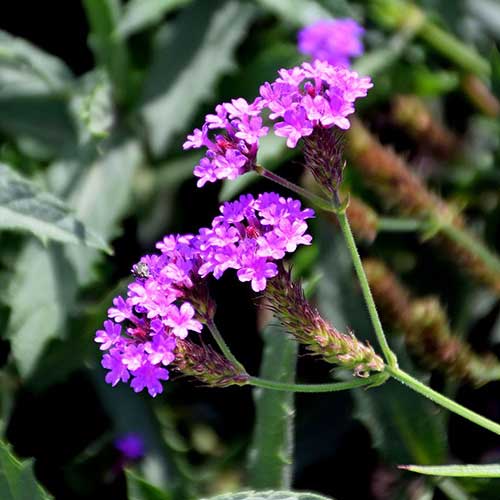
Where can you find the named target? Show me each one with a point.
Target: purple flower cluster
(332, 40)
(301, 99)
(312, 95)
(231, 137)
(140, 336)
(249, 235)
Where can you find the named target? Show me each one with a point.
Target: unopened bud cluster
(286, 299)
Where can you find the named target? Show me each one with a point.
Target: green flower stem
(365, 287)
(441, 400)
(223, 346)
(374, 380)
(320, 202)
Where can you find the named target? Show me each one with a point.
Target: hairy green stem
(223, 346)
(441, 400)
(320, 202)
(365, 288)
(374, 380)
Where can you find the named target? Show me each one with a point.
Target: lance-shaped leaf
(271, 452)
(270, 495)
(43, 288)
(139, 489)
(27, 70)
(190, 55)
(25, 206)
(469, 470)
(140, 14)
(17, 481)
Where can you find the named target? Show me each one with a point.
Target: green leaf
(102, 197)
(271, 451)
(43, 288)
(40, 295)
(190, 55)
(93, 107)
(269, 495)
(17, 481)
(27, 70)
(296, 12)
(24, 206)
(140, 14)
(489, 470)
(139, 489)
(109, 48)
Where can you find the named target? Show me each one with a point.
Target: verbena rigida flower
(140, 336)
(304, 99)
(169, 295)
(333, 40)
(251, 234)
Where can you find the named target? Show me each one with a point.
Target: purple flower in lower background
(131, 446)
(333, 40)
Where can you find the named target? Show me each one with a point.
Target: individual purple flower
(231, 138)
(312, 96)
(131, 446)
(109, 336)
(117, 370)
(149, 376)
(181, 320)
(333, 40)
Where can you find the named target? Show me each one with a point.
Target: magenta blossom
(312, 95)
(335, 41)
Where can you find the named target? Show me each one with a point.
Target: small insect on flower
(140, 270)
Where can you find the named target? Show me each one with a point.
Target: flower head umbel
(310, 96)
(140, 336)
(333, 40)
(251, 234)
(169, 297)
(301, 100)
(231, 137)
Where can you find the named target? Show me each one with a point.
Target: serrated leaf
(469, 470)
(269, 495)
(45, 282)
(271, 451)
(27, 70)
(139, 489)
(17, 481)
(296, 12)
(190, 55)
(25, 206)
(40, 295)
(140, 14)
(102, 197)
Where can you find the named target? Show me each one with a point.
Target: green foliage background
(92, 173)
